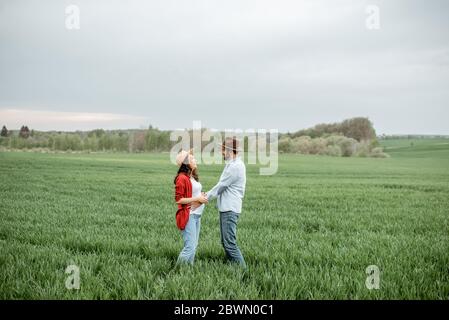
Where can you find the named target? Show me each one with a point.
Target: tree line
(360, 129)
(352, 137)
(98, 140)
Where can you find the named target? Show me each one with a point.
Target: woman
(188, 192)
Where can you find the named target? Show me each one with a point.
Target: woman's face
(192, 162)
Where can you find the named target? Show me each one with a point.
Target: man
(229, 192)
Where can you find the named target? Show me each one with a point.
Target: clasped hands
(201, 199)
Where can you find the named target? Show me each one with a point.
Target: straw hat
(183, 157)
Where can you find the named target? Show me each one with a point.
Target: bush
(347, 146)
(285, 145)
(302, 145)
(334, 140)
(334, 145)
(318, 146)
(363, 149)
(378, 153)
(333, 151)
(360, 129)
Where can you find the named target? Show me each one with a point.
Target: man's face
(227, 154)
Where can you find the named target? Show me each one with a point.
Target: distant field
(417, 148)
(308, 232)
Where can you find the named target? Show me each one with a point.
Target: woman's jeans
(190, 236)
(228, 228)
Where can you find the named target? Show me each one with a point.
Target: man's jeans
(190, 236)
(228, 228)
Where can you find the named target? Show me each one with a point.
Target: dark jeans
(228, 229)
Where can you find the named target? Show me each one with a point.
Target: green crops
(308, 232)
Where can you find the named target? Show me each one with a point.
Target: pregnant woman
(188, 192)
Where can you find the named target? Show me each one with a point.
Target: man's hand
(202, 198)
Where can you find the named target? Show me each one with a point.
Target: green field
(308, 232)
(417, 148)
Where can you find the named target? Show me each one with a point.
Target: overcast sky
(228, 63)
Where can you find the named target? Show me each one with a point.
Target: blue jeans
(190, 235)
(228, 229)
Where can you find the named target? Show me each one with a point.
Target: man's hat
(231, 143)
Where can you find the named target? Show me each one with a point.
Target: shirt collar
(232, 160)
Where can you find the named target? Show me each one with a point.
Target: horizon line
(118, 122)
(155, 127)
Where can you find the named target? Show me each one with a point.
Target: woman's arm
(200, 199)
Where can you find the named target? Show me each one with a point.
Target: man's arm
(225, 181)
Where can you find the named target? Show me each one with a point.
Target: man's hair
(231, 143)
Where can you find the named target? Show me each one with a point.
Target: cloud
(284, 64)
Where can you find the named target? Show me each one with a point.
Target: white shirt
(230, 190)
(196, 191)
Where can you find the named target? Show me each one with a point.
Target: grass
(308, 232)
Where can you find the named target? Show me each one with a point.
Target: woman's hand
(198, 201)
(202, 198)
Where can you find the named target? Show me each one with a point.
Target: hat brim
(230, 148)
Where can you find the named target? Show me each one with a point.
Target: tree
(360, 129)
(136, 142)
(96, 133)
(4, 132)
(151, 139)
(24, 132)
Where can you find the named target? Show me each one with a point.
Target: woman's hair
(195, 174)
(184, 168)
